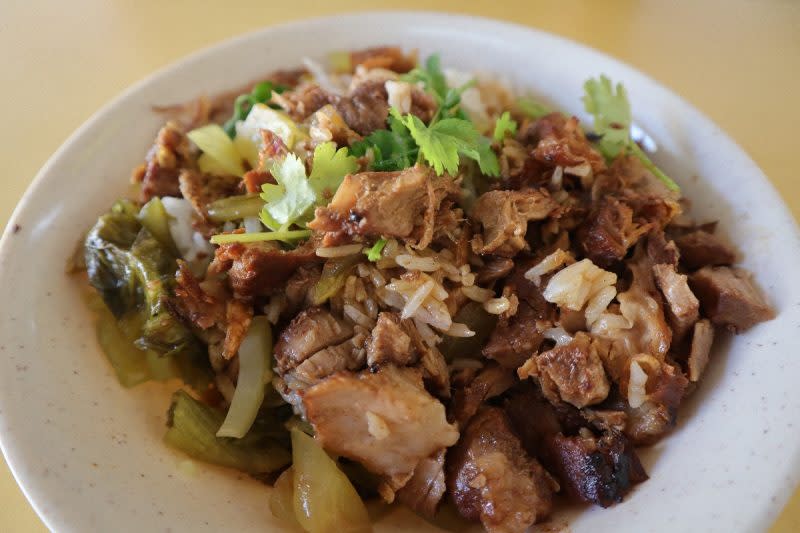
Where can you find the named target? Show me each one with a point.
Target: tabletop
(736, 60)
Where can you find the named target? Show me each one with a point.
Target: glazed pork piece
(438, 291)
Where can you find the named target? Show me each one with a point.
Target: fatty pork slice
(504, 217)
(492, 479)
(384, 420)
(424, 491)
(388, 204)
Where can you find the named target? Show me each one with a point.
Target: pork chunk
(572, 372)
(730, 298)
(308, 333)
(702, 339)
(256, 269)
(384, 420)
(597, 470)
(390, 204)
(202, 189)
(169, 155)
(425, 489)
(683, 309)
(389, 343)
(700, 248)
(491, 381)
(504, 217)
(492, 479)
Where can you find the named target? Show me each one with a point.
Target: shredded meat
(572, 372)
(424, 491)
(256, 269)
(504, 217)
(366, 108)
(309, 332)
(390, 204)
(384, 420)
(682, 305)
(609, 231)
(700, 248)
(300, 288)
(202, 189)
(492, 479)
(730, 298)
(169, 155)
(702, 338)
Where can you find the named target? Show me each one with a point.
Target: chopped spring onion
(255, 372)
(192, 427)
(226, 238)
(214, 142)
(374, 253)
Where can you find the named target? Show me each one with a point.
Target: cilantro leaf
(441, 143)
(329, 168)
(612, 115)
(291, 198)
(532, 108)
(505, 124)
(431, 76)
(392, 149)
(612, 121)
(374, 253)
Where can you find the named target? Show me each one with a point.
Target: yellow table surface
(736, 60)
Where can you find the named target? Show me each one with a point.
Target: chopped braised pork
(702, 338)
(389, 343)
(424, 491)
(730, 298)
(682, 306)
(701, 248)
(492, 479)
(504, 217)
(384, 420)
(256, 269)
(572, 372)
(396, 204)
(491, 381)
(308, 333)
(169, 155)
(202, 189)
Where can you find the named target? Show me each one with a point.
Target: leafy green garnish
(260, 94)
(290, 198)
(442, 143)
(431, 76)
(505, 124)
(392, 149)
(329, 168)
(374, 253)
(532, 108)
(612, 121)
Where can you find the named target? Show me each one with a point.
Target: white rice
(192, 246)
(252, 225)
(477, 294)
(399, 93)
(497, 306)
(459, 330)
(354, 314)
(423, 264)
(637, 382)
(547, 265)
(416, 299)
(428, 336)
(575, 285)
(339, 251)
(559, 335)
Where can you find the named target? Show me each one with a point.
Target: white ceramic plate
(88, 453)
